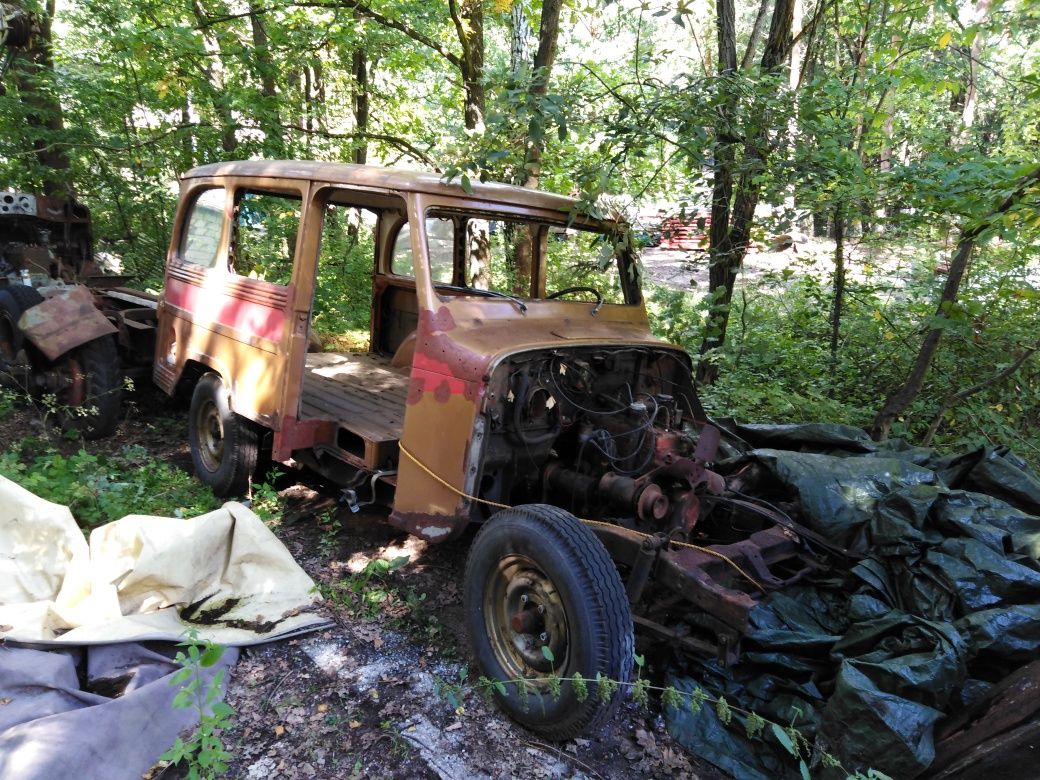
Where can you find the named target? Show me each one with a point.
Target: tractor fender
(66, 319)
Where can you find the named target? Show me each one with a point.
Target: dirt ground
(380, 692)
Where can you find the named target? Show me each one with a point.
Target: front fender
(66, 319)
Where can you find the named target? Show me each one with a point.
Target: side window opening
(201, 242)
(265, 229)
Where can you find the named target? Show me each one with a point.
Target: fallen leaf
(322, 707)
(377, 642)
(279, 730)
(454, 726)
(4, 701)
(355, 724)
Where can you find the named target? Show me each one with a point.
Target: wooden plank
(361, 392)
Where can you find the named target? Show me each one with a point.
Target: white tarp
(143, 578)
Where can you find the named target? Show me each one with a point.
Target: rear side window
(201, 242)
(265, 230)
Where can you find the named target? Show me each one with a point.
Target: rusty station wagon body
(483, 398)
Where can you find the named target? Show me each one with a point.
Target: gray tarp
(51, 728)
(940, 599)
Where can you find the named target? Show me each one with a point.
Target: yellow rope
(479, 500)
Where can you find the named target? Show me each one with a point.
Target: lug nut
(523, 599)
(543, 636)
(541, 609)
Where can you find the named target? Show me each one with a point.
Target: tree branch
(967, 392)
(353, 5)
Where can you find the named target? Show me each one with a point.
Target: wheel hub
(527, 615)
(211, 435)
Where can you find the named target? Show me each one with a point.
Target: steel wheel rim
(523, 612)
(210, 433)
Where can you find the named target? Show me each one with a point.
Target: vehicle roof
(386, 178)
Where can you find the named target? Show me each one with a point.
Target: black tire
(224, 446)
(537, 576)
(14, 299)
(90, 393)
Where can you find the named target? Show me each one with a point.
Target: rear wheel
(224, 446)
(538, 578)
(88, 388)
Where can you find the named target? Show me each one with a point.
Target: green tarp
(938, 600)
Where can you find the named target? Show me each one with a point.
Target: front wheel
(224, 446)
(537, 578)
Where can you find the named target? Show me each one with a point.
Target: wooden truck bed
(364, 395)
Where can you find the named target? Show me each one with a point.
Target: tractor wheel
(543, 597)
(14, 299)
(224, 446)
(89, 388)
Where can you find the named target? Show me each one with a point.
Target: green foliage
(605, 687)
(452, 692)
(99, 489)
(366, 592)
(266, 502)
(203, 753)
(7, 402)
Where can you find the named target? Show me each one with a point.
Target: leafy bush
(777, 364)
(99, 489)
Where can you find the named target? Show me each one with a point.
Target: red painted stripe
(246, 317)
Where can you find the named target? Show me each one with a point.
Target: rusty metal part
(709, 580)
(707, 444)
(653, 505)
(63, 321)
(643, 565)
(772, 514)
(690, 511)
(431, 527)
(713, 584)
(301, 434)
(612, 491)
(726, 647)
(666, 447)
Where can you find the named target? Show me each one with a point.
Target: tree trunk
(269, 117)
(360, 71)
(839, 281)
(214, 72)
(731, 229)
(469, 27)
(971, 94)
(901, 398)
(756, 35)
(469, 23)
(520, 34)
(544, 58)
(44, 116)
